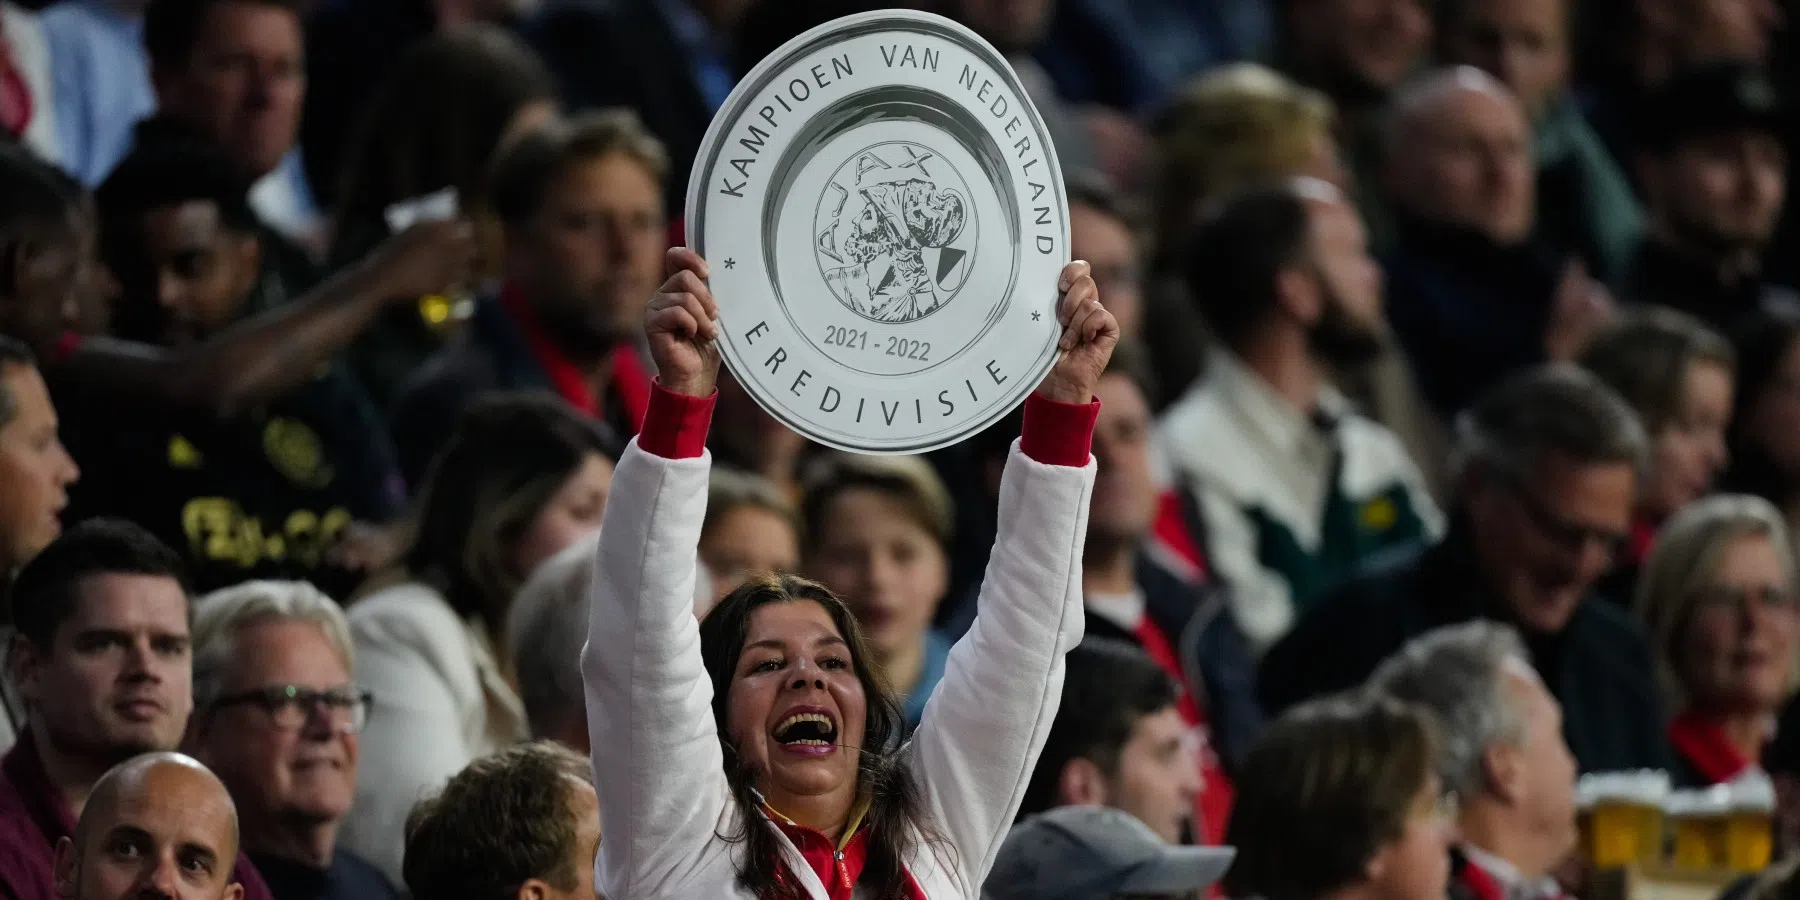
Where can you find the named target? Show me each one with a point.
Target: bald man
(156, 826)
(1471, 295)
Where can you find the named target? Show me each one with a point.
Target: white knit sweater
(664, 802)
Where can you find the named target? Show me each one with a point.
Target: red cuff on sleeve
(65, 347)
(1056, 433)
(675, 425)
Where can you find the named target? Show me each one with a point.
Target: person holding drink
(755, 754)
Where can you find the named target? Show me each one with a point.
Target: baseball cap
(1092, 852)
(1708, 98)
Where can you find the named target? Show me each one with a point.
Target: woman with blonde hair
(1718, 594)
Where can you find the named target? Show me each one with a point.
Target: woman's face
(572, 514)
(796, 712)
(1774, 416)
(746, 541)
(1690, 450)
(1416, 865)
(1738, 651)
(886, 565)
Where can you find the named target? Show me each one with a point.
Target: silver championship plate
(885, 220)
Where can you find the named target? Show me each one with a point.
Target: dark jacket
(1599, 666)
(1663, 277)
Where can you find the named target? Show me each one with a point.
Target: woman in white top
(522, 477)
(754, 755)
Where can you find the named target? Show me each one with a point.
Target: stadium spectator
(1102, 234)
(522, 478)
(1341, 798)
(580, 204)
(1677, 375)
(877, 532)
(520, 823)
(178, 232)
(276, 717)
(751, 529)
(1547, 467)
(1295, 488)
(1719, 595)
(1097, 853)
(157, 825)
(1765, 422)
(1500, 751)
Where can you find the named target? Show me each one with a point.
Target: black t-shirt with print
(263, 494)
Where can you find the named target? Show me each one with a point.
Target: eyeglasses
(290, 707)
(1732, 599)
(1571, 536)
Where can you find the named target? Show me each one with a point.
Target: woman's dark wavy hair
(896, 806)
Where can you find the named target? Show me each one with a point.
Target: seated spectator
(103, 661)
(581, 208)
(437, 122)
(522, 478)
(877, 531)
(1340, 798)
(745, 437)
(523, 822)
(178, 821)
(1677, 375)
(59, 289)
(28, 95)
(276, 717)
(1096, 853)
(1294, 488)
(35, 475)
(1765, 422)
(265, 493)
(751, 529)
(1358, 54)
(1225, 130)
(1500, 751)
(1713, 172)
(1101, 233)
(1546, 480)
(1720, 595)
(1133, 58)
(1120, 740)
(1584, 200)
(1471, 297)
(231, 74)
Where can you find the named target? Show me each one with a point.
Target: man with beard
(1545, 471)
(103, 660)
(581, 204)
(1714, 171)
(1294, 488)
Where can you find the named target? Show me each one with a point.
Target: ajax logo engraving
(894, 232)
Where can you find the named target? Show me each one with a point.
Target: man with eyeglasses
(1546, 467)
(103, 661)
(276, 717)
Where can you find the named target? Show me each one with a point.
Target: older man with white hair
(1500, 749)
(276, 717)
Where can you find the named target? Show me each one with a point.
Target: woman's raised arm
(986, 723)
(658, 769)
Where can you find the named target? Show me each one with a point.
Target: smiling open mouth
(807, 729)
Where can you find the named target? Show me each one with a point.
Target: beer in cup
(1699, 819)
(1622, 817)
(1749, 820)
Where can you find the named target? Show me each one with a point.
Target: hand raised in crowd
(427, 258)
(1089, 335)
(683, 326)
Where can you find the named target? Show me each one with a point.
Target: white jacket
(664, 801)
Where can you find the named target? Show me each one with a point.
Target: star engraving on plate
(730, 263)
(1035, 315)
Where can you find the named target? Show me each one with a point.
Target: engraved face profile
(895, 232)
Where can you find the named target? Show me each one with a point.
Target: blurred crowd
(1452, 449)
